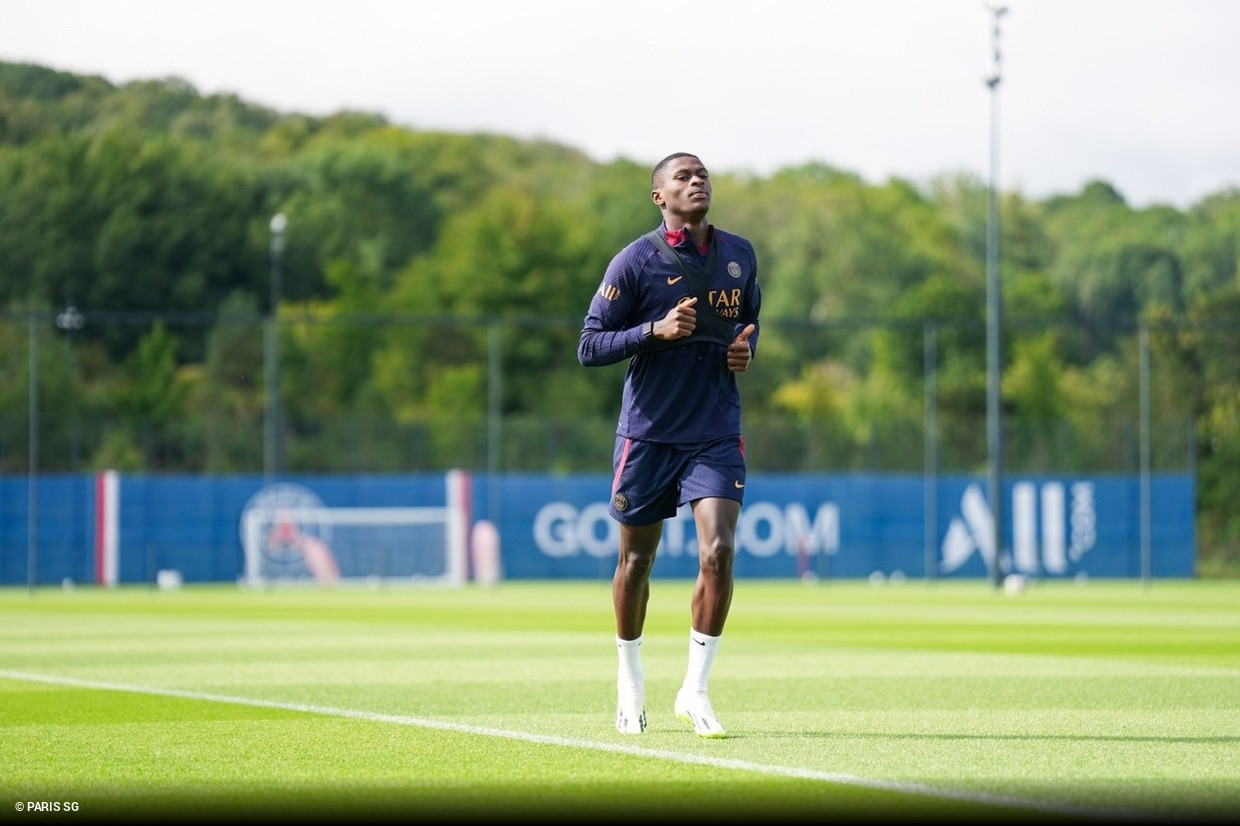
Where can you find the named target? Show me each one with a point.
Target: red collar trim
(676, 237)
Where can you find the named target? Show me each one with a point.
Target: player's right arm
(613, 330)
(630, 315)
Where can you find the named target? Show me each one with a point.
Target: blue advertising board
(853, 525)
(557, 526)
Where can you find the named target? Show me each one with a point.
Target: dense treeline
(431, 287)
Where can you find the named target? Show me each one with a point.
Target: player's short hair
(661, 165)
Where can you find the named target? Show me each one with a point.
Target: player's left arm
(742, 349)
(740, 353)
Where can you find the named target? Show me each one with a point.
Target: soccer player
(681, 304)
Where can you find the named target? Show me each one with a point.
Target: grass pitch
(843, 700)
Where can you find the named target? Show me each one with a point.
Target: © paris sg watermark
(47, 806)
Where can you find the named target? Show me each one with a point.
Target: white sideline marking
(546, 739)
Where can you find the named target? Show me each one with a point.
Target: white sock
(630, 682)
(702, 650)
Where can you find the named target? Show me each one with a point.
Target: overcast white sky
(1144, 94)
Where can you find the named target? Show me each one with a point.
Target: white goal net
(289, 535)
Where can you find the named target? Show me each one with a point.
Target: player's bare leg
(715, 520)
(630, 591)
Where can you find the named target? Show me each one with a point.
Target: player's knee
(637, 563)
(716, 559)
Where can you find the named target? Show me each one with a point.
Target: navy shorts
(653, 479)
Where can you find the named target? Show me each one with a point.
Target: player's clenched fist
(679, 322)
(739, 351)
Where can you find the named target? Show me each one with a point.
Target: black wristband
(648, 331)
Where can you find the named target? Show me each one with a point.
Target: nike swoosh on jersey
(739, 485)
(671, 281)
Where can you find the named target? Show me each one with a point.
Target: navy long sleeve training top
(681, 391)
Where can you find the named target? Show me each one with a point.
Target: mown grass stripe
(793, 772)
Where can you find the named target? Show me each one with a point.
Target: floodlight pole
(32, 445)
(69, 320)
(273, 454)
(994, 306)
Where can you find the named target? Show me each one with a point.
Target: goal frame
(454, 515)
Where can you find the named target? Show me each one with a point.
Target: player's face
(684, 189)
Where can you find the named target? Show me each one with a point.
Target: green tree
(229, 391)
(152, 398)
(1112, 262)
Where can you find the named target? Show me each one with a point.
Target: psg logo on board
(289, 527)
